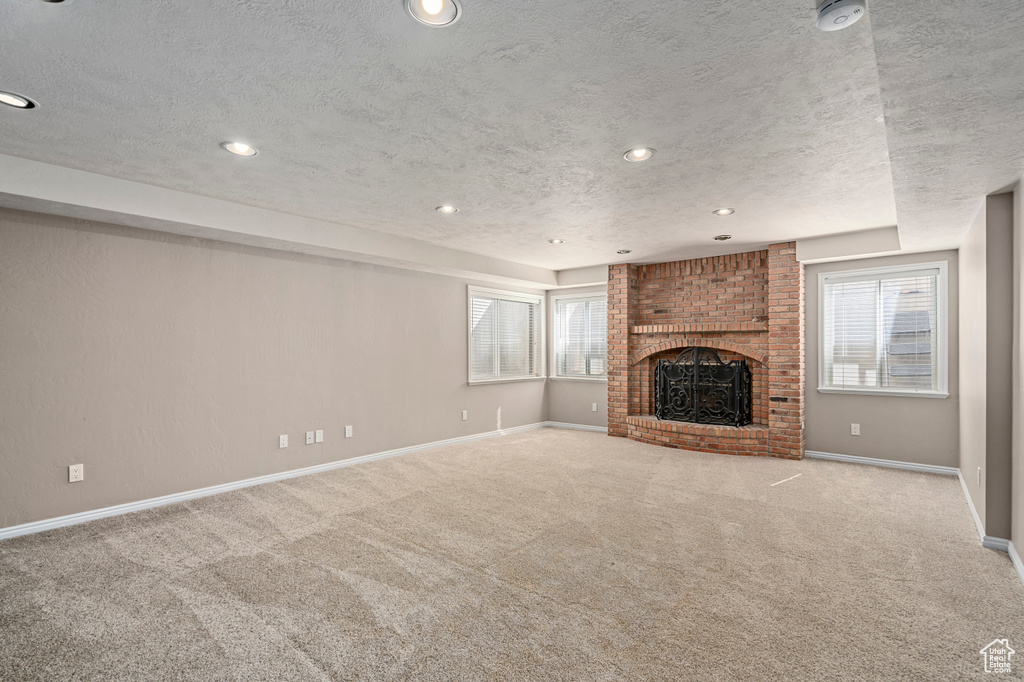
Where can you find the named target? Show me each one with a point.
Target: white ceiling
(519, 114)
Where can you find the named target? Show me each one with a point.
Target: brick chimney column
(622, 306)
(785, 351)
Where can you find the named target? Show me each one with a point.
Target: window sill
(871, 391)
(480, 382)
(601, 380)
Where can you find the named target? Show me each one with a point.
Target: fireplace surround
(746, 307)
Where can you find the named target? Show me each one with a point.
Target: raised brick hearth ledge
(735, 440)
(745, 306)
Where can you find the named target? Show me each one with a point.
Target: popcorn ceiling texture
(548, 555)
(950, 75)
(518, 114)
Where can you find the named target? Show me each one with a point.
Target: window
(884, 330)
(581, 336)
(504, 335)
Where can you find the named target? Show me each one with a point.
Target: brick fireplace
(746, 305)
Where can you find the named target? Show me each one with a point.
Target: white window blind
(884, 330)
(504, 335)
(581, 336)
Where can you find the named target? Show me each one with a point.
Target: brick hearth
(747, 305)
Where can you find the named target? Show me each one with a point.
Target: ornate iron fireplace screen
(698, 387)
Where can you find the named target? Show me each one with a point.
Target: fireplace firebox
(699, 387)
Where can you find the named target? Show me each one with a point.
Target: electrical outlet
(283, 441)
(854, 429)
(465, 415)
(309, 437)
(76, 473)
(319, 435)
(593, 407)
(348, 432)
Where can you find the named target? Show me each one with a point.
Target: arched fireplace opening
(701, 388)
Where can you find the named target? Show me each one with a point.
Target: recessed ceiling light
(624, 251)
(434, 12)
(16, 101)
(240, 148)
(638, 154)
(724, 211)
(447, 209)
(723, 237)
(556, 241)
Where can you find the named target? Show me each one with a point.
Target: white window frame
(942, 344)
(593, 296)
(484, 292)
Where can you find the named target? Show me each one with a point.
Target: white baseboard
(129, 507)
(1017, 563)
(989, 541)
(970, 505)
(889, 463)
(578, 427)
(998, 544)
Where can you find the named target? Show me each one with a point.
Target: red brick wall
(786, 351)
(730, 288)
(748, 304)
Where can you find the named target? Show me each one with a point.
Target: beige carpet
(548, 555)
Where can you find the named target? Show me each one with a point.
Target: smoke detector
(836, 14)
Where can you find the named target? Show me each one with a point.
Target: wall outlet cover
(309, 437)
(76, 473)
(465, 415)
(854, 429)
(593, 407)
(348, 432)
(282, 441)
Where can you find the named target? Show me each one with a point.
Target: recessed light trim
(239, 148)
(435, 13)
(723, 211)
(556, 241)
(16, 101)
(638, 154)
(447, 209)
(723, 237)
(623, 252)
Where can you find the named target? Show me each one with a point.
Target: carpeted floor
(548, 555)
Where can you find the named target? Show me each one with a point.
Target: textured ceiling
(519, 114)
(952, 83)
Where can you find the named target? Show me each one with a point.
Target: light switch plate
(465, 415)
(319, 435)
(348, 432)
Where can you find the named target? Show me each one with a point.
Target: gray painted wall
(974, 354)
(165, 363)
(986, 324)
(571, 400)
(920, 430)
(999, 384)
